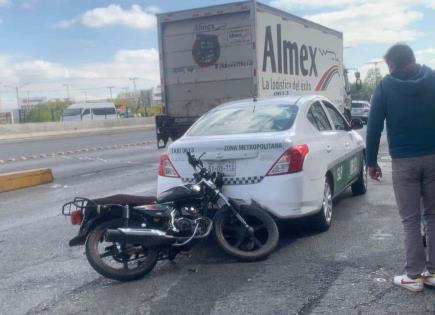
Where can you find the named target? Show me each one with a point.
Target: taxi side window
(317, 117)
(337, 119)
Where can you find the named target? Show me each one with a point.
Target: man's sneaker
(428, 278)
(414, 285)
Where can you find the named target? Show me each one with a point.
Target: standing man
(405, 99)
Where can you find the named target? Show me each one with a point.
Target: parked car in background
(289, 155)
(90, 111)
(360, 110)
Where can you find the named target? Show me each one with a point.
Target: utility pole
(67, 90)
(18, 93)
(110, 90)
(134, 82)
(86, 96)
(18, 98)
(134, 89)
(28, 101)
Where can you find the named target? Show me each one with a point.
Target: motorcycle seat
(122, 199)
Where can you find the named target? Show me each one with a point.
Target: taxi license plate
(228, 168)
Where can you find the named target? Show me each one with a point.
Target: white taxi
(291, 156)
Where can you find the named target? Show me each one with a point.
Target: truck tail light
(291, 161)
(166, 168)
(76, 217)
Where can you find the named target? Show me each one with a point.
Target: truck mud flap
(171, 128)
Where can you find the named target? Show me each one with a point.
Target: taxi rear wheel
(322, 220)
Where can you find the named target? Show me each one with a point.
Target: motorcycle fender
(85, 228)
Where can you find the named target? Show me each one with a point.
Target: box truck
(215, 54)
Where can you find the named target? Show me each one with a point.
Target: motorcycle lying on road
(125, 235)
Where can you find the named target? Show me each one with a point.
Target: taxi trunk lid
(243, 159)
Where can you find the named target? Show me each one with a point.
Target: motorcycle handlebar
(193, 161)
(203, 173)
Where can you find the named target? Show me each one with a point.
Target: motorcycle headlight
(196, 188)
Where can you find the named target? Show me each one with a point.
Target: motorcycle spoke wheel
(251, 244)
(123, 262)
(238, 236)
(129, 258)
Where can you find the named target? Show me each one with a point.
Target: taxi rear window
(247, 119)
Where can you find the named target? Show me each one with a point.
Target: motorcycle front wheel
(122, 262)
(236, 241)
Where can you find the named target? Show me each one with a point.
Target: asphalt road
(347, 270)
(27, 148)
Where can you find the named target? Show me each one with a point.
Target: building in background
(5, 118)
(10, 117)
(156, 93)
(129, 95)
(27, 103)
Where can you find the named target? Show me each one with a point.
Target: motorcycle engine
(184, 225)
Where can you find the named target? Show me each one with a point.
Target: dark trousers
(413, 181)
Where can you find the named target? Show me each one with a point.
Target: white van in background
(89, 111)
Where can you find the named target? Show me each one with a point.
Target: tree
(48, 111)
(368, 86)
(362, 94)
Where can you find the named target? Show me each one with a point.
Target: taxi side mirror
(356, 124)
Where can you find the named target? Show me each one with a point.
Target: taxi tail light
(166, 168)
(291, 161)
(76, 217)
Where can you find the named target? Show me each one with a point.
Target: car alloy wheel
(327, 203)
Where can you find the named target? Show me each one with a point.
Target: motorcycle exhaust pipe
(147, 238)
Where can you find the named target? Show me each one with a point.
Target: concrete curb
(23, 179)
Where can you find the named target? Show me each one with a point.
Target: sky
(48, 46)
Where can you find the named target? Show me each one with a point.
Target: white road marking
(379, 236)
(70, 152)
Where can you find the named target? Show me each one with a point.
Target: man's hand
(375, 172)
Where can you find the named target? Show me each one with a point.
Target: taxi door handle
(328, 148)
(347, 144)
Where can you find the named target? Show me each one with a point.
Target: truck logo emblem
(206, 50)
(326, 78)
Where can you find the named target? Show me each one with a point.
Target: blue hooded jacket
(407, 102)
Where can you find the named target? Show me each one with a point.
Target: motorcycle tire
(96, 236)
(241, 245)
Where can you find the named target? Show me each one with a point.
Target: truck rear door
(206, 59)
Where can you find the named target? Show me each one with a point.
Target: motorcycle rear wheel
(134, 262)
(233, 238)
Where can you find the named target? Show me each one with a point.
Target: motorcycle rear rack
(79, 203)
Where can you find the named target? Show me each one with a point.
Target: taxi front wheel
(322, 220)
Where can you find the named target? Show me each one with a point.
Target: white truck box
(241, 50)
